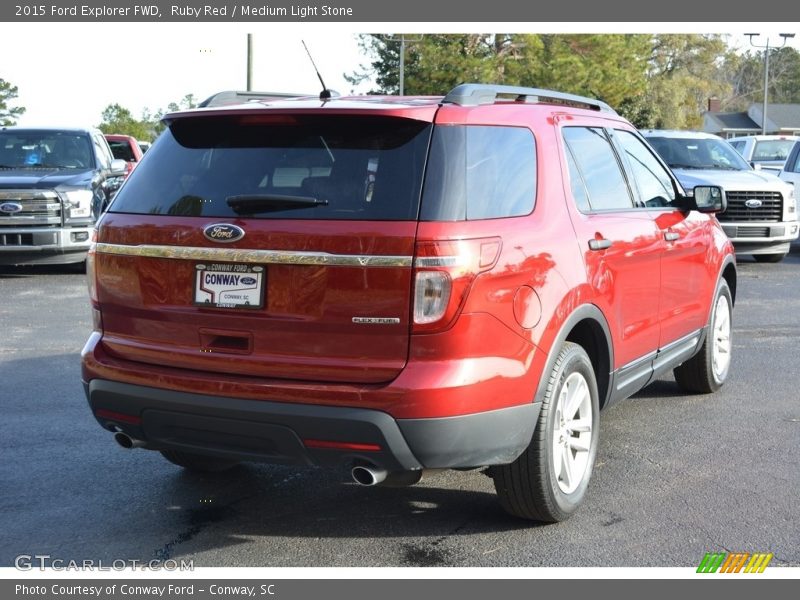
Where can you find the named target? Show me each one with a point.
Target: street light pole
(249, 62)
(403, 39)
(785, 36)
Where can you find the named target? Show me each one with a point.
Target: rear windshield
(283, 166)
(772, 150)
(121, 150)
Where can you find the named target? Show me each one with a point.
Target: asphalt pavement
(676, 476)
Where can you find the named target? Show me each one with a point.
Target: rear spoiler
(229, 97)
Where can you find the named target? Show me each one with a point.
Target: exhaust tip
(126, 441)
(367, 476)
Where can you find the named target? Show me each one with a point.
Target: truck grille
(752, 232)
(771, 208)
(37, 208)
(16, 239)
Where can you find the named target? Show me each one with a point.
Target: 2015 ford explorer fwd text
(402, 284)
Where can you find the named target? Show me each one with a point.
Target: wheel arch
(729, 275)
(587, 327)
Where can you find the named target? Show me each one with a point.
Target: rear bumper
(283, 433)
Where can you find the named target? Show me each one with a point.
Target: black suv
(54, 184)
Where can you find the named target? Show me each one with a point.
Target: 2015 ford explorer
(402, 284)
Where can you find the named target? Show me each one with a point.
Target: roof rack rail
(239, 97)
(476, 94)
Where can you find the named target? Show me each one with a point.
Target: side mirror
(118, 167)
(709, 199)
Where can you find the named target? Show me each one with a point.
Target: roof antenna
(325, 94)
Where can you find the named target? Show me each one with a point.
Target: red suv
(403, 284)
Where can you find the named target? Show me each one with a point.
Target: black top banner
(681, 12)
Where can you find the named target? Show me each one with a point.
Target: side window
(577, 184)
(796, 159)
(104, 155)
(652, 180)
(598, 165)
(738, 145)
(501, 172)
(479, 172)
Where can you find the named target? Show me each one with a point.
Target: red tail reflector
(329, 445)
(102, 413)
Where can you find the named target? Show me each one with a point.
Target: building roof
(737, 120)
(785, 116)
(780, 118)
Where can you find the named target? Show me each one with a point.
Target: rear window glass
(121, 150)
(283, 166)
(479, 172)
(772, 150)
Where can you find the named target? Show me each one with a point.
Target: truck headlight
(79, 204)
(791, 201)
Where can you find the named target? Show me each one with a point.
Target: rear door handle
(671, 236)
(600, 244)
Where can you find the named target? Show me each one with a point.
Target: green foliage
(9, 114)
(118, 119)
(654, 80)
(746, 75)
(684, 71)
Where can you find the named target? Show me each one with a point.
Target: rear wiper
(248, 204)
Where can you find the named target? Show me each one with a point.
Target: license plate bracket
(229, 285)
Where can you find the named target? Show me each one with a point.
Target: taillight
(91, 283)
(443, 274)
(91, 271)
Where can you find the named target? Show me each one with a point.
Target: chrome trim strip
(438, 261)
(691, 337)
(268, 257)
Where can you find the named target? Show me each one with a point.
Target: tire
(198, 462)
(769, 258)
(707, 370)
(537, 486)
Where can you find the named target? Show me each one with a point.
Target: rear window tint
(479, 172)
(283, 167)
(121, 150)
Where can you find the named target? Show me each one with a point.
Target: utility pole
(785, 36)
(249, 62)
(403, 39)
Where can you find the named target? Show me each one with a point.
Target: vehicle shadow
(11, 271)
(104, 502)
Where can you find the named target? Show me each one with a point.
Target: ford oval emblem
(753, 204)
(10, 207)
(223, 232)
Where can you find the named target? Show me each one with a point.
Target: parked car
(125, 147)
(144, 145)
(791, 170)
(403, 284)
(764, 151)
(761, 214)
(54, 183)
